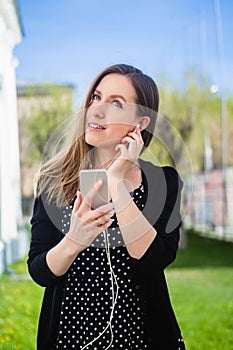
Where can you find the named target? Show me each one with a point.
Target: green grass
(201, 288)
(200, 284)
(19, 304)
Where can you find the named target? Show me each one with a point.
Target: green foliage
(194, 114)
(51, 105)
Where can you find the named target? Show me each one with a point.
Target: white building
(13, 239)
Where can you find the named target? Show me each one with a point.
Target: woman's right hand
(87, 223)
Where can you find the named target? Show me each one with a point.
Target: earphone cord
(114, 294)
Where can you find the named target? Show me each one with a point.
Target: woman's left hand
(128, 153)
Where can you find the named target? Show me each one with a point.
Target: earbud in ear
(137, 127)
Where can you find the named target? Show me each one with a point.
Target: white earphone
(137, 127)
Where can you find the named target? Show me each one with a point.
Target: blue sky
(72, 40)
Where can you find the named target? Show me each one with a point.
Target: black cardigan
(162, 187)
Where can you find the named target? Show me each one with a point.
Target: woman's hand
(87, 223)
(128, 153)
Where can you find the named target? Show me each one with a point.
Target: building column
(10, 198)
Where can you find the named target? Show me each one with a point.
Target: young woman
(108, 290)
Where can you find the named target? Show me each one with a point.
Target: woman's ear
(143, 122)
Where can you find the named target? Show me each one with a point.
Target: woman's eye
(95, 97)
(117, 103)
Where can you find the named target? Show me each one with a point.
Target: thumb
(77, 202)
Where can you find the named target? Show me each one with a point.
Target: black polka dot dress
(100, 309)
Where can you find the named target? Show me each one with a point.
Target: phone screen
(88, 179)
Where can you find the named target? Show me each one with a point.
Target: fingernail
(99, 182)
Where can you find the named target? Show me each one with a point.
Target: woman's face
(112, 112)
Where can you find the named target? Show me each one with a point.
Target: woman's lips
(95, 127)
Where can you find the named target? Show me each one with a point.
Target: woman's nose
(98, 111)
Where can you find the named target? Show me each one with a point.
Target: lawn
(19, 304)
(200, 284)
(201, 288)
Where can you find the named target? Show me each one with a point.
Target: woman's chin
(102, 143)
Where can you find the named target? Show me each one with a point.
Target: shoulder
(172, 176)
(169, 173)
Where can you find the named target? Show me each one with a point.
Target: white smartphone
(88, 179)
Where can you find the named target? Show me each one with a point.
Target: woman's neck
(103, 158)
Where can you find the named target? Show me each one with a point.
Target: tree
(188, 117)
(42, 108)
(49, 108)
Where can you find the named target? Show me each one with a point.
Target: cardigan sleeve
(162, 251)
(44, 235)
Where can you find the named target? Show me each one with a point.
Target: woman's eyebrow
(118, 96)
(111, 96)
(98, 92)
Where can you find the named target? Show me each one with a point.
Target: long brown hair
(59, 177)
